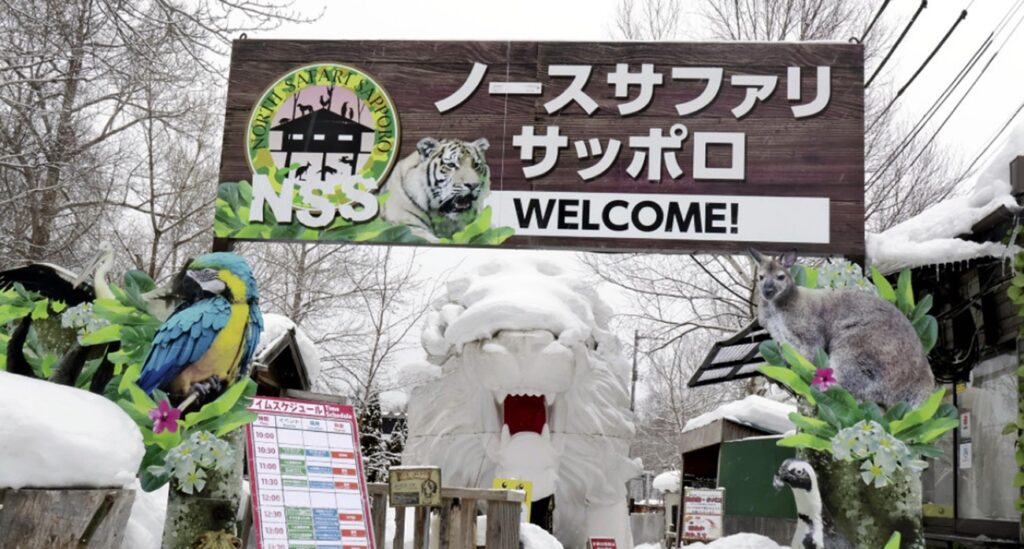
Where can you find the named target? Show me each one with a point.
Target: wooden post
(503, 524)
(442, 522)
(41, 519)
(465, 537)
(419, 527)
(399, 540)
(378, 516)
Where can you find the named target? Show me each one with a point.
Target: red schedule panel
(308, 488)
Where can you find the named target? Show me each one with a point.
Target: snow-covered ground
(52, 435)
(931, 236)
(754, 411)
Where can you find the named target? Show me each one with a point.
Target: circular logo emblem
(324, 126)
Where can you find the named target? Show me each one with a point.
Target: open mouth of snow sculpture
(525, 412)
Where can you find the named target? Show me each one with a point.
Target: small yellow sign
(516, 484)
(415, 486)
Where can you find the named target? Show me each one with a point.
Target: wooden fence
(457, 518)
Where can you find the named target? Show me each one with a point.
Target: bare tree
(77, 77)
(385, 308)
(648, 19)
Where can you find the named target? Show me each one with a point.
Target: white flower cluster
(82, 318)
(188, 462)
(882, 453)
(843, 275)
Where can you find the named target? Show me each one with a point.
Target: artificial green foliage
(232, 221)
(853, 430)
(16, 304)
(225, 414)
(894, 541)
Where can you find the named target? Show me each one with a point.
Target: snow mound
(145, 528)
(931, 237)
(277, 326)
(740, 541)
(509, 295)
(59, 436)
(531, 536)
(753, 411)
(667, 482)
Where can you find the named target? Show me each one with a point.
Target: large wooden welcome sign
(671, 147)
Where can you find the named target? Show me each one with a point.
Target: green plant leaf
(929, 430)
(771, 352)
(806, 440)
(928, 331)
(218, 407)
(919, 415)
(41, 310)
(927, 450)
(789, 378)
(798, 363)
(1010, 428)
(894, 541)
(813, 425)
(840, 402)
(905, 293)
(105, 334)
(885, 290)
(922, 308)
(870, 411)
(896, 411)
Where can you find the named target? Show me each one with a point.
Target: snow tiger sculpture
(529, 383)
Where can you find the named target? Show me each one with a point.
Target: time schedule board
(306, 474)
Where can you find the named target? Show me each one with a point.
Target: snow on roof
(393, 402)
(753, 411)
(277, 326)
(667, 482)
(931, 237)
(59, 436)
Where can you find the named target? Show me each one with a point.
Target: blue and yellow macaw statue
(209, 340)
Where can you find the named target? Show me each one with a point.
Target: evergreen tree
(396, 444)
(371, 441)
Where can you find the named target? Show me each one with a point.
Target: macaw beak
(207, 280)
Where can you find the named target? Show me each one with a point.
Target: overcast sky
(994, 99)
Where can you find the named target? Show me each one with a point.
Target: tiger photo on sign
(438, 189)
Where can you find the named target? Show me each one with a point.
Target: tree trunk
(859, 515)
(214, 509)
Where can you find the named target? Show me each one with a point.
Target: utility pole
(632, 390)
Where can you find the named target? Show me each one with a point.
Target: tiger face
(455, 175)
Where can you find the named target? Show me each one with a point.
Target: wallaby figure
(872, 347)
(327, 170)
(301, 171)
(305, 109)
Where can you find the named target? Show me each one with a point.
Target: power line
(873, 21)
(947, 93)
(924, 4)
(967, 171)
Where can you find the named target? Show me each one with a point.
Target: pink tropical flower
(165, 416)
(824, 378)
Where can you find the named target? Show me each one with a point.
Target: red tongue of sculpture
(525, 413)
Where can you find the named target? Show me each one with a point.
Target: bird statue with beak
(209, 340)
(801, 479)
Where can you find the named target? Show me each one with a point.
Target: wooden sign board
(414, 486)
(306, 475)
(663, 147)
(524, 486)
(703, 513)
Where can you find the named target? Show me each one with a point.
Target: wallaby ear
(788, 259)
(758, 256)
(426, 146)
